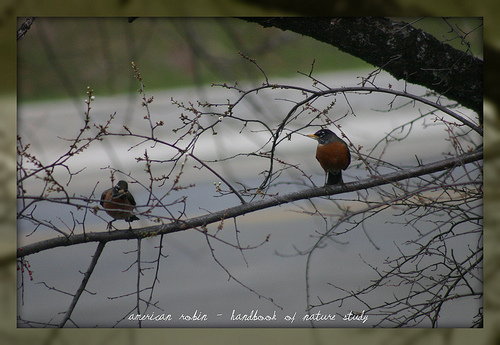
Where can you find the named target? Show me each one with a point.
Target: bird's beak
(314, 136)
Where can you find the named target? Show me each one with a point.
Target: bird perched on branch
(119, 203)
(333, 155)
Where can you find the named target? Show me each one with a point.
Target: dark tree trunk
(398, 48)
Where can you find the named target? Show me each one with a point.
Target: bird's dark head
(122, 185)
(324, 136)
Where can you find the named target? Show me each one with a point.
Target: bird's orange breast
(118, 208)
(333, 156)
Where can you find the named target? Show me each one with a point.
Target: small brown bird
(119, 203)
(333, 155)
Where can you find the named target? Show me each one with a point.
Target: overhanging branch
(398, 48)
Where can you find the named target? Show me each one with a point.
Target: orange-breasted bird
(333, 155)
(119, 203)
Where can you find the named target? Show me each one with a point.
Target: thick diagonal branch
(251, 206)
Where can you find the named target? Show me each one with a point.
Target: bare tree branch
(249, 207)
(24, 28)
(83, 284)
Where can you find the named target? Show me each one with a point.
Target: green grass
(61, 57)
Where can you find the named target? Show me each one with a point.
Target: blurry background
(98, 51)
(186, 71)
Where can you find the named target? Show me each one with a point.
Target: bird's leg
(110, 225)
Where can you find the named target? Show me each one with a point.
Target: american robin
(119, 203)
(333, 155)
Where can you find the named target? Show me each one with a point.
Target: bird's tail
(131, 218)
(334, 178)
